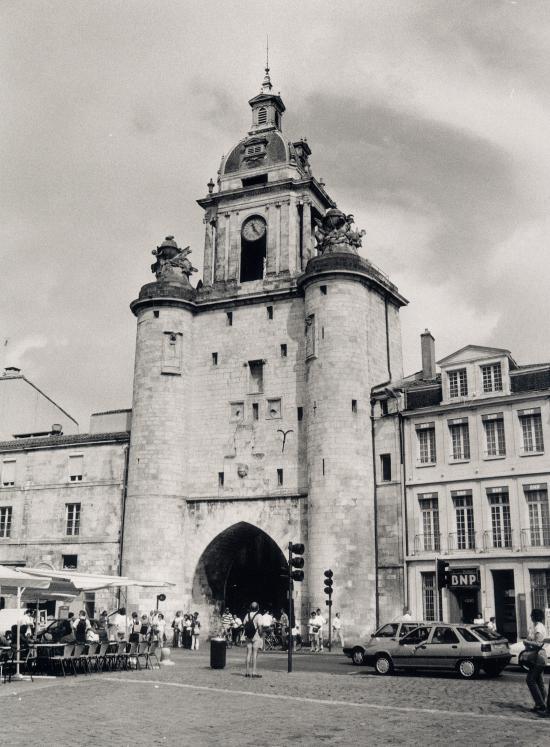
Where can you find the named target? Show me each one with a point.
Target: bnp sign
(463, 578)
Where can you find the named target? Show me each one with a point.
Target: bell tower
(260, 216)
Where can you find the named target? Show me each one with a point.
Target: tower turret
(157, 467)
(352, 343)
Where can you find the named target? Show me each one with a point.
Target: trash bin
(218, 648)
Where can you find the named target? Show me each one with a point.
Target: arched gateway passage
(241, 565)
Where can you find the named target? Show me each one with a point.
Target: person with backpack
(252, 632)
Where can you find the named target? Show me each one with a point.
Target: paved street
(190, 704)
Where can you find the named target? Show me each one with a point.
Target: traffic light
(328, 583)
(295, 560)
(441, 574)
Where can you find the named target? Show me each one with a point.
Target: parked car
(518, 651)
(356, 651)
(441, 646)
(61, 631)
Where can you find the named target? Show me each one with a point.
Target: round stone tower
(351, 327)
(153, 526)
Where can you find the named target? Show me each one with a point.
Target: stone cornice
(269, 188)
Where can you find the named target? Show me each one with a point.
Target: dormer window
(492, 378)
(458, 383)
(262, 115)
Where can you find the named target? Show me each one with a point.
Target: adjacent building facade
(473, 474)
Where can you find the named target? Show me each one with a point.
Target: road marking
(318, 701)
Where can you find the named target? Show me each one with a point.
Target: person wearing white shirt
(267, 619)
(313, 630)
(337, 629)
(321, 622)
(534, 644)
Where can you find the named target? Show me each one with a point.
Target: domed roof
(262, 149)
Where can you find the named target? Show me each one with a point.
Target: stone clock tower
(251, 415)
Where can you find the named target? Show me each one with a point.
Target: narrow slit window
(279, 476)
(156, 313)
(300, 413)
(221, 478)
(229, 318)
(354, 405)
(323, 466)
(270, 312)
(214, 359)
(255, 411)
(385, 467)
(284, 350)
(323, 290)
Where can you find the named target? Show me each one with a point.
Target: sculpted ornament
(335, 233)
(172, 264)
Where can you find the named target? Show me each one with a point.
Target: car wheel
(467, 669)
(383, 665)
(358, 656)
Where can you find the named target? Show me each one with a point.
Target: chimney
(57, 429)
(427, 344)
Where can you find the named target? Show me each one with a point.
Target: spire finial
(266, 85)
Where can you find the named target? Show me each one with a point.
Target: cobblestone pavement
(190, 704)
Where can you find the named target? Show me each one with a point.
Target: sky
(428, 120)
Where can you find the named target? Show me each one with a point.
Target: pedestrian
(478, 619)
(313, 630)
(252, 629)
(81, 627)
(134, 628)
(177, 628)
(321, 622)
(237, 630)
(188, 631)
(227, 625)
(103, 625)
(536, 659)
(337, 629)
(283, 622)
(405, 617)
(161, 629)
(145, 629)
(195, 631)
(492, 625)
(119, 623)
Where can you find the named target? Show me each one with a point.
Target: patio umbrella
(16, 579)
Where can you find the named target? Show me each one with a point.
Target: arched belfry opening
(253, 248)
(241, 565)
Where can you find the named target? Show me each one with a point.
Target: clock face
(254, 229)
